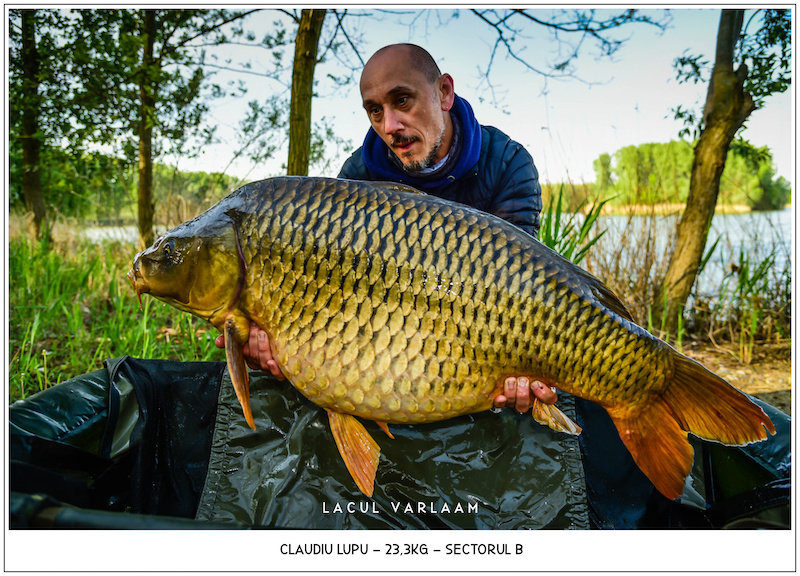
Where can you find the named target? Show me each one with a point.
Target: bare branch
(582, 24)
(340, 28)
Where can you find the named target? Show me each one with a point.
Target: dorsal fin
(610, 300)
(400, 187)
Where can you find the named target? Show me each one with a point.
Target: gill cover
(197, 267)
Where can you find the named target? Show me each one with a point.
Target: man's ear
(446, 91)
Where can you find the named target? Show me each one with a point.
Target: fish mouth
(139, 284)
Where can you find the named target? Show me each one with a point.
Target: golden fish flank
(398, 307)
(362, 328)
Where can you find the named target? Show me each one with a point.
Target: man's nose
(392, 122)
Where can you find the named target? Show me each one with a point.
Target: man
(424, 135)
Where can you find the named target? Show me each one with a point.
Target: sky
(565, 124)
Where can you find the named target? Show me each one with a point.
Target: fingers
(523, 398)
(257, 351)
(543, 392)
(518, 392)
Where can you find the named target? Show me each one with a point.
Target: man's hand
(257, 351)
(517, 394)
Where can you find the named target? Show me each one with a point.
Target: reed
(570, 233)
(751, 300)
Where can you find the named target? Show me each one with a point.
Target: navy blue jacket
(504, 182)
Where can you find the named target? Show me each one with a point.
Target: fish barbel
(393, 306)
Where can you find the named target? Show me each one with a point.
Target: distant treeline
(660, 174)
(99, 188)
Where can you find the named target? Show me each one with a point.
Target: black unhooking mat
(161, 444)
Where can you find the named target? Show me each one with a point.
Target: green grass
(72, 306)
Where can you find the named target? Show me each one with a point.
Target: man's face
(405, 109)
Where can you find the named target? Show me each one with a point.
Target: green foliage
(604, 179)
(652, 173)
(764, 191)
(569, 233)
(83, 185)
(767, 52)
(182, 195)
(765, 48)
(661, 173)
(95, 187)
(81, 290)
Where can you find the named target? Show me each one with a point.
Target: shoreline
(663, 209)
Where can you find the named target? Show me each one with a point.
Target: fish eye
(169, 248)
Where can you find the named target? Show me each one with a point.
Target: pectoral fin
(234, 353)
(359, 450)
(554, 418)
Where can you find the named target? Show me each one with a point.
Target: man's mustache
(402, 140)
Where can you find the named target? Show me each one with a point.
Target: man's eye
(402, 100)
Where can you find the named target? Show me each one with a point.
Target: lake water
(116, 233)
(755, 234)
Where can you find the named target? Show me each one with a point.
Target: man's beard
(419, 165)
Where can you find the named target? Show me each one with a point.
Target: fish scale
(397, 307)
(369, 257)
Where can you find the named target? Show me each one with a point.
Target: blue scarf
(376, 153)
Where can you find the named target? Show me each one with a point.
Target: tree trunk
(31, 140)
(146, 205)
(305, 60)
(727, 107)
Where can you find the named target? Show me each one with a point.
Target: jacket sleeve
(517, 195)
(354, 168)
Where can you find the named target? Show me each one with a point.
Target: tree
(305, 61)
(36, 101)
(604, 179)
(31, 143)
(732, 96)
(569, 29)
(661, 172)
(169, 77)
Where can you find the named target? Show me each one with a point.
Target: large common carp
(394, 306)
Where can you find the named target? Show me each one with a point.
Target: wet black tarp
(149, 443)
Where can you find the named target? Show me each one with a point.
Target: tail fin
(711, 408)
(695, 400)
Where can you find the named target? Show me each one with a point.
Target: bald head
(413, 56)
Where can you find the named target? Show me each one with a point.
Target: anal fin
(383, 426)
(658, 445)
(359, 450)
(552, 417)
